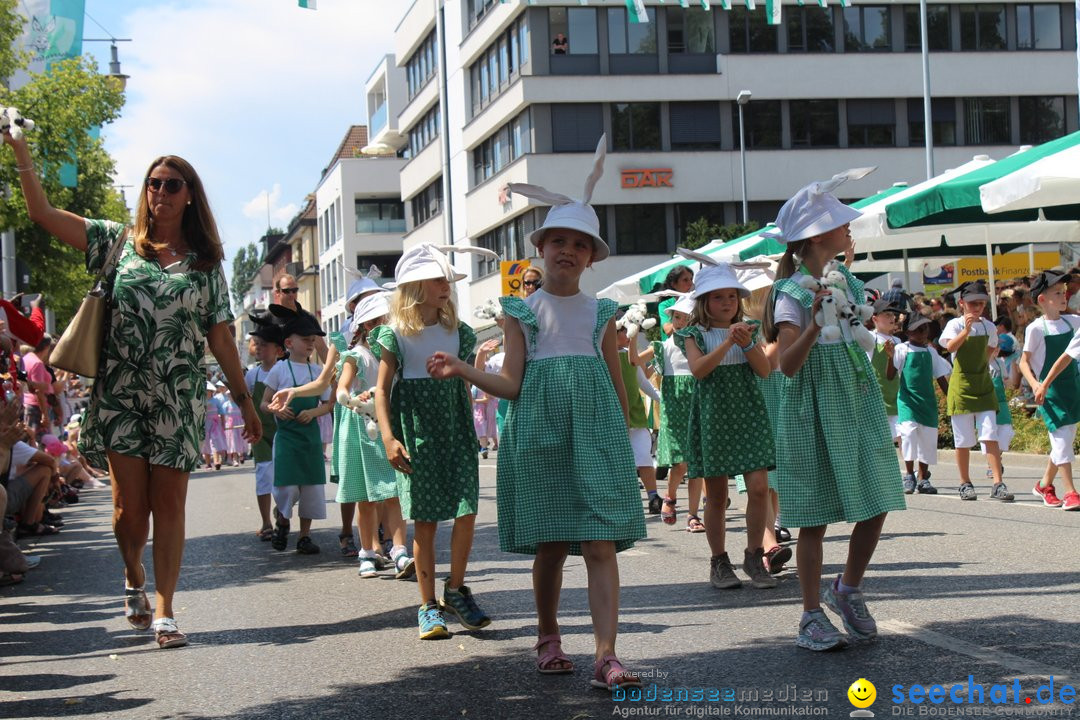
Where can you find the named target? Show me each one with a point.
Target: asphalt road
(959, 589)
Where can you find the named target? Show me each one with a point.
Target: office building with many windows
(526, 90)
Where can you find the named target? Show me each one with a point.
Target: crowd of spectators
(41, 470)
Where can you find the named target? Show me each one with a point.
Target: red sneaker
(1049, 498)
(1072, 501)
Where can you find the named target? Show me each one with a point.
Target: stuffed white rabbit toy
(13, 122)
(361, 407)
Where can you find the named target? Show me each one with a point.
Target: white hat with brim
(370, 308)
(717, 277)
(361, 287)
(210, 387)
(814, 210)
(429, 262)
(685, 305)
(574, 216)
(566, 212)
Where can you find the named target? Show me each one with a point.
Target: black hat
(888, 305)
(266, 328)
(915, 320)
(1046, 280)
(296, 322)
(971, 291)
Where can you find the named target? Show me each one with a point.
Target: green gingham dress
(366, 474)
(433, 420)
(676, 397)
(566, 471)
(729, 431)
(338, 341)
(837, 462)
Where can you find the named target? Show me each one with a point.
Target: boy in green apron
(886, 319)
(299, 468)
(269, 348)
(971, 401)
(1058, 396)
(919, 367)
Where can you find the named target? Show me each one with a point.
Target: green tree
(702, 231)
(245, 267)
(65, 104)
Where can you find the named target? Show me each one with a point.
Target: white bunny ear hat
(815, 210)
(714, 275)
(427, 262)
(363, 283)
(567, 212)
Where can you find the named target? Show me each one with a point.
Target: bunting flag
(308, 4)
(637, 12)
(725, 4)
(845, 3)
(751, 4)
(772, 12)
(706, 6)
(823, 3)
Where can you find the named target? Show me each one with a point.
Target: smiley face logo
(862, 693)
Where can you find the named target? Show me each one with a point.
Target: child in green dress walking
(836, 458)
(677, 393)
(729, 432)
(366, 477)
(566, 475)
(427, 428)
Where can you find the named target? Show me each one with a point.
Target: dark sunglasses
(172, 185)
(289, 291)
(532, 283)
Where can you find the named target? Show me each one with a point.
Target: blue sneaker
(460, 602)
(852, 609)
(817, 633)
(431, 622)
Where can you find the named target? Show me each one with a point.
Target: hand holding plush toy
(361, 407)
(634, 319)
(12, 122)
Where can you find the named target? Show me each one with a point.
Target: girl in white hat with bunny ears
(729, 432)
(836, 458)
(566, 475)
(427, 427)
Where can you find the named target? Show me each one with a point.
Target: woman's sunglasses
(532, 283)
(289, 291)
(172, 185)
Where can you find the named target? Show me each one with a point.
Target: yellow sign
(512, 270)
(1006, 267)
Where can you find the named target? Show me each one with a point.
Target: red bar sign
(651, 177)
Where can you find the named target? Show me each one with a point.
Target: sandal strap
(549, 638)
(165, 626)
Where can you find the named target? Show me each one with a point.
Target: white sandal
(167, 634)
(137, 605)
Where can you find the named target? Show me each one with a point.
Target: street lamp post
(741, 99)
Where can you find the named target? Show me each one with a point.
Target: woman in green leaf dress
(169, 300)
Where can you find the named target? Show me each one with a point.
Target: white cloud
(266, 206)
(254, 93)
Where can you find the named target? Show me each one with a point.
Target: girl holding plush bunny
(837, 461)
(729, 430)
(566, 481)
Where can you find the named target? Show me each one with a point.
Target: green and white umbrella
(1049, 182)
(959, 201)
(630, 288)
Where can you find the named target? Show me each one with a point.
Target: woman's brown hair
(197, 227)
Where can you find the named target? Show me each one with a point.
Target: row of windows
(427, 203)
(500, 64)
(423, 64)
(380, 216)
(864, 28)
(503, 147)
(330, 226)
(475, 10)
(812, 123)
(425, 131)
(332, 281)
(509, 240)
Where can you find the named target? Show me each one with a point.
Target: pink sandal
(616, 676)
(546, 663)
(668, 513)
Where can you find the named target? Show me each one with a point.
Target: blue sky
(256, 94)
